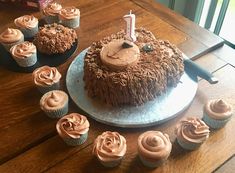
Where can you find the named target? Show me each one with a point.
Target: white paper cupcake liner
(213, 123)
(75, 142)
(151, 164)
(28, 33)
(111, 164)
(8, 46)
(71, 23)
(51, 19)
(57, 113)
(188, 145)
(45, 89)
(26, 62)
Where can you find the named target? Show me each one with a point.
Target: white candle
(130, 27)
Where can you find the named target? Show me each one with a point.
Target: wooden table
(29, 142)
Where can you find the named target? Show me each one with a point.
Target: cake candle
(130, 27)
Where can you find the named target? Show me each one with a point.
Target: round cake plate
(154, 112)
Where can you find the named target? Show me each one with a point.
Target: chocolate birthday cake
(122, 73)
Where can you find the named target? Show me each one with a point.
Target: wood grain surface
(29, 142)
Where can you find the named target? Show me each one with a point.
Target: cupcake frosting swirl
(192, 130)
(52, 9)
(53, 100)
(23, 50)
(26, 21)
(10, 35)
(46, 76)
(109, 146)
(218, 109)
(69, 13)
(72, 126)
(154, 145)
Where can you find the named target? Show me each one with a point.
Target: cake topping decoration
(127, 44)
(26, 21)
(130, 27)
(218, 109)
(69, 12)
(10, 35)
(52, 9)
(147, 48)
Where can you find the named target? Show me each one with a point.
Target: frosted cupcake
(70, 17)
(28, 24)
(217, 113)
(25, 54)
(46, 78)
(154, 148)
(11, 37)
(51, 12)
(109, 148)
(73, 129)
(55, 103)
(191, 133)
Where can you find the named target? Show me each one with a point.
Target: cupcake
(191, 133)
(73, 129)
(217, 113)
(28, 24)
(46, 78)
(55, 103)
(51, 12)
(25, 54)
(54, 39)
(11, 37)
(109, 148)
(154, 148)
(70, 17)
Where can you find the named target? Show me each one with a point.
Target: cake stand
(154, 112)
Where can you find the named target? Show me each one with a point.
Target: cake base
(157, 111)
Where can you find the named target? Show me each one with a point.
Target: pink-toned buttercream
(46, 76)
(154, 145)
(52, 9)
(23, 50)
(72, 126)
(10, 35)
(109, 146)
(218, 109)
(69, 13)
(192, 130)
(26, 21)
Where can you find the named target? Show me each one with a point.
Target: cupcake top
(53, 100)
(218, 109)
(69, 13)
(52, 9)
(26, 21)
(192, 130)
(46, 76)
(72, 126)
(154, 145)
(10, 35)
(23, 50)
(109, 146)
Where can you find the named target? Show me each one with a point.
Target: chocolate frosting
(192, 130)
(23, 50)
(136, 84)
(72, 126)
(109, 146)
(26, 21)
(154, 145)
(218, 109)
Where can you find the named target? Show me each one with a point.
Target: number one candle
(130, 27)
